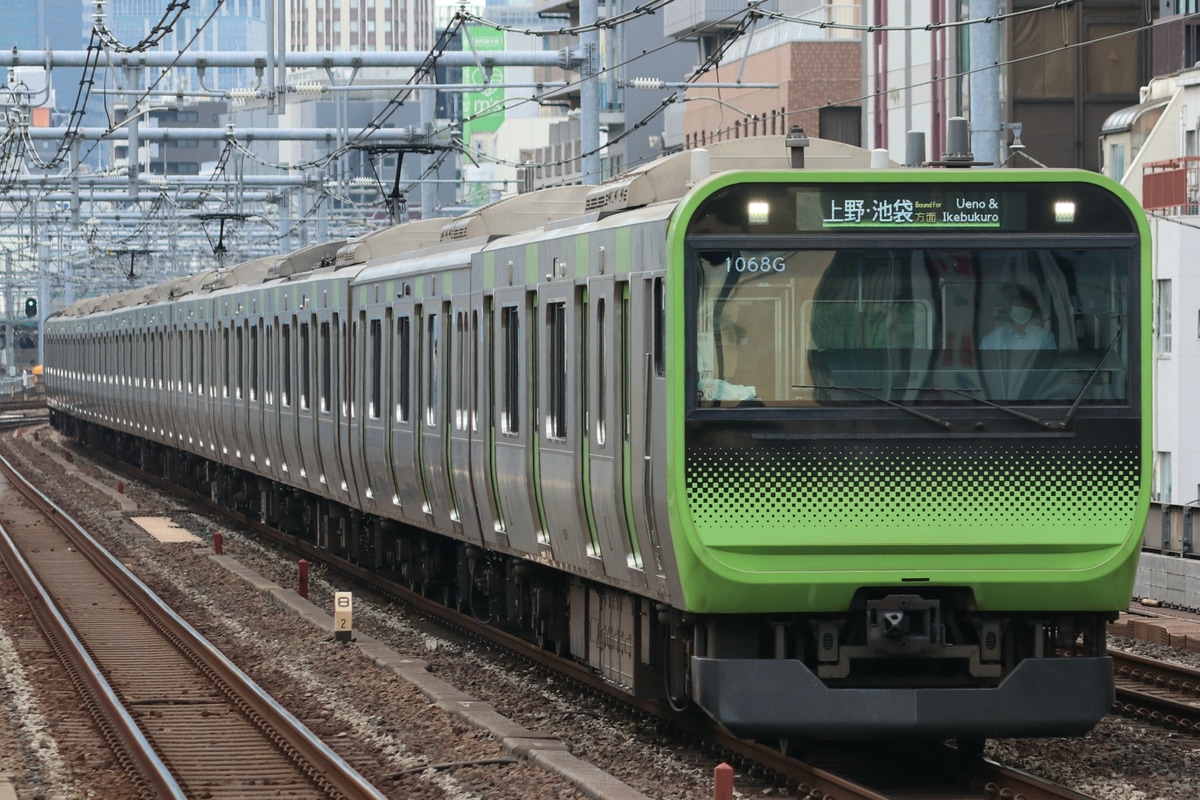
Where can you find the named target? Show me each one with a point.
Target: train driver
(1020, 332)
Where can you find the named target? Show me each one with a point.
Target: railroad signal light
(31, 306)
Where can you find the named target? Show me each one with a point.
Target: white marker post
(343, 616)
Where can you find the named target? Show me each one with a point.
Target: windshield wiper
(1041, 423)
(870, 392)
(1065, 421)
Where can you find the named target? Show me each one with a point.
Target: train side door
(161, 372)
(434, 417)
(220, 405)
(513, 406)
(260, 333)
(273, 420)
(182, 383)
(559, 451)
(149, 369)
(367, 446)
(328, 410)
(607, 433)
(484, 422)
(645, 387)
(246, 403)
(289, 403)
(312, 471)
(201, 422)
(405, 378)
(345, 348)
(462, 421)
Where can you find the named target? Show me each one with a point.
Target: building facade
(367, 25)
(1061, 71)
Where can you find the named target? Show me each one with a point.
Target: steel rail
(329, 769)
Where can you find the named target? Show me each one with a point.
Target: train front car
(908, 451)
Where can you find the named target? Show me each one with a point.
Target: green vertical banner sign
(483, 111)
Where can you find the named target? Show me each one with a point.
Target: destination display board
(891, 206)
(904, 208)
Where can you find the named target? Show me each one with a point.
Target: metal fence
(18, 387)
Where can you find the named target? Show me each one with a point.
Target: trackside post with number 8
(343, 615)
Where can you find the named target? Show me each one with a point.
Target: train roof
(411, 236)
(523, 212)
(670, 177)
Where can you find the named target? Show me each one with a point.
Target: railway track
(179, 716)
(15, 419)
(1157, 691)
(843, 773)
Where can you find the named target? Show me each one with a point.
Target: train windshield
(905, 324)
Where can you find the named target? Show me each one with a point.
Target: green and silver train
(829, 452)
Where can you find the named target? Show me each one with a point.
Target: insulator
(646, 83)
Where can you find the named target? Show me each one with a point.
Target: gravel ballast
(384, 725)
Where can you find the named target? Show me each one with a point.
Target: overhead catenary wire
(81, 103)
(642, 11)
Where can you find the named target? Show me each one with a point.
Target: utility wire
(164, 26)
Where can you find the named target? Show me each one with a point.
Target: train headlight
(757, 213)
(1064, 211)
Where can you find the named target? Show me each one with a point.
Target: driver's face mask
(1020, 314)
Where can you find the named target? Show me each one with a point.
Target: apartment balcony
(1172, 186)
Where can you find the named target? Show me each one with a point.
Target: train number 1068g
(755, 264)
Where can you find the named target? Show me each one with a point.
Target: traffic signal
(31, 306)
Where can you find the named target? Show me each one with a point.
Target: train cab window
(510, 334)
(376, 368)
(913, 325)
(403, 369)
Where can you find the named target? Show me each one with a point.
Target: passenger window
(376, 343)
(510, 333)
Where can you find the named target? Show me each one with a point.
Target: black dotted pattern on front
(902, 486)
